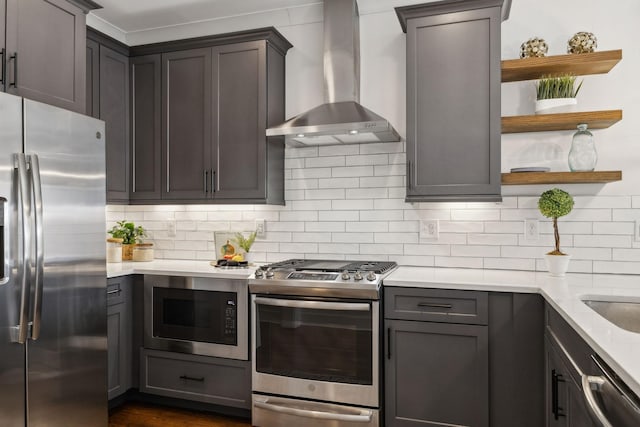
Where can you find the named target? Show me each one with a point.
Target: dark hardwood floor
(145, 415)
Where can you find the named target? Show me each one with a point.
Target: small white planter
(249, 257)
(555, 105)
(557, 264)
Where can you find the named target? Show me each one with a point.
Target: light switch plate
(429, 229)
(260, 227)
(636, 231)
(171, 228)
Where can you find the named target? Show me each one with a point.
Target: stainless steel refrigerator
(53, 358)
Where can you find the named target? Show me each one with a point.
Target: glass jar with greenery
(130, 235)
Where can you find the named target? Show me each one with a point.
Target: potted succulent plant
(553, 204)
(556, 94)
(245, 243)
(130, 235)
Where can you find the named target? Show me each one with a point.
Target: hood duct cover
(341, 119)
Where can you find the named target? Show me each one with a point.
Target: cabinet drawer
(436, 305)
(224, 382)
(115, 292)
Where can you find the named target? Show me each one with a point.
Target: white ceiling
(139, 15)
(146, 21)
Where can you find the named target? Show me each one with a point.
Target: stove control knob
(357, 276)
(259, 273)
(371, 276)
(269, 274)
(346, 275)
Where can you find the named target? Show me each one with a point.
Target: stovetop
(322, 278)
(378, 267)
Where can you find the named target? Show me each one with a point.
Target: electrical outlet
(171, 228)
(260, 227)
(531, 229)
(636, 231)
(429, 229)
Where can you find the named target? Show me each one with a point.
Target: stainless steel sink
(624, 314)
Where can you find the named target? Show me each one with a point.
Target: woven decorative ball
(534, 47)
(582, 42)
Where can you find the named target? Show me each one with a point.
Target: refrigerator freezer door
(12, 354)
(67, 363)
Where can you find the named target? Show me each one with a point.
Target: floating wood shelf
(532, 178)
(562, 121)
(514, 70)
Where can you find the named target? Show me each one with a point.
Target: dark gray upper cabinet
(114, 110)
(45, 48)
(108, 99)
(218, 95)
(186, 128)
(146, 114)
(453, 100)
(3, 58)
(93, 79)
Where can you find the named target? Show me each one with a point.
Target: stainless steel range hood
(341, 119)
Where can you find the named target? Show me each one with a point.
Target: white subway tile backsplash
(348, 202)
(475, 215)
(323, 162)
(365, 160)
(452, 262)
(602, 241)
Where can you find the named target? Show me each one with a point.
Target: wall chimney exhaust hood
(341, 119)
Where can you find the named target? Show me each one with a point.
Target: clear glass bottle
(582, 156)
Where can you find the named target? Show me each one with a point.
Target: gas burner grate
(379, 267)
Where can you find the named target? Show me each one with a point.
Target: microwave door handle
(317, 305)
(363, 417)
(25, 256)
(39, 252)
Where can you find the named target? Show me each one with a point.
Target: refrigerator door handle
(25, 262)
(39, 249)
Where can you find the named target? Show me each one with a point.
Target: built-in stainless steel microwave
(196, 315)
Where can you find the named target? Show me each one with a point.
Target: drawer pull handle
(115, 291)
(435, 305)
(188, 378)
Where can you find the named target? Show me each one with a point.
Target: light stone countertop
(618, 347)
(176, 267)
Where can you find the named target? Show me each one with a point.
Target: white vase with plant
(245, 243)
(553, 204)
(556, 94)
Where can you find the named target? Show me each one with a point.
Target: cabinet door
(119, 327)
(453, 106)
(436, 374)
(186, 128)
(93, 79)
(3, 11)
(239, 111)
(146, 106)
(49, 39)
(114, 110)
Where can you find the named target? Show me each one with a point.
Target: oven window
(195, 315)
(316, 344)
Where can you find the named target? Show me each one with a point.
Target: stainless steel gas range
(316, 343)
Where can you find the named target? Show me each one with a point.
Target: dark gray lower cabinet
(214, 380)
(463, 358)
(565, 402)
(119, 339)
(437, 374)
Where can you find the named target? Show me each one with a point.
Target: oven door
(196, 315)
(317, 349)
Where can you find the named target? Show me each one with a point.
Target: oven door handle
(363, 417)
(317, 305)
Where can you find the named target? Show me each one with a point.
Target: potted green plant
(130, 235)
(554, 204)
(556, 94)
(245, 243)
